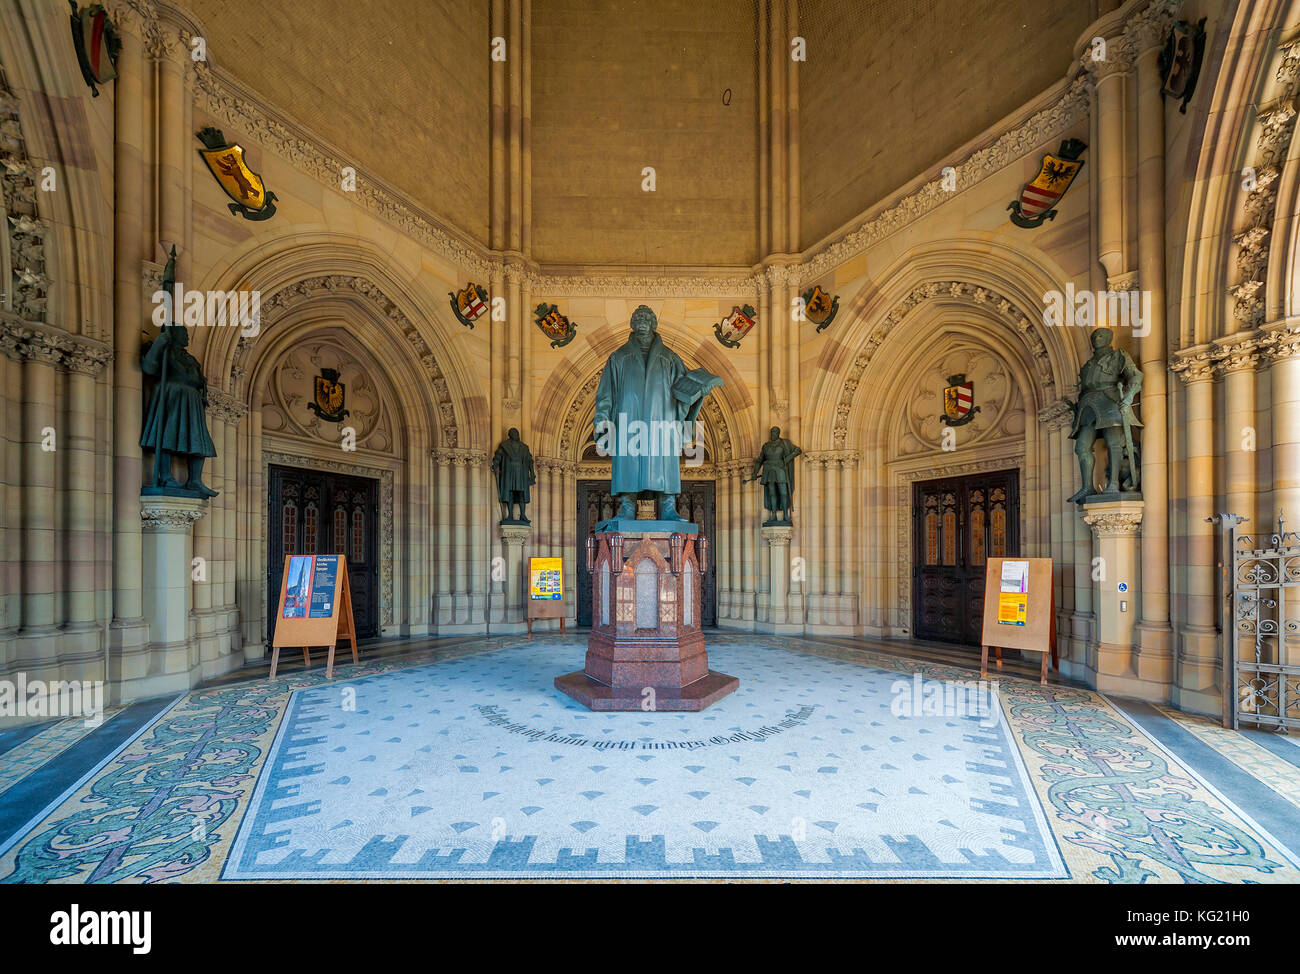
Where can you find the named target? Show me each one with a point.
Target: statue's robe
(177, 418)
(514, 464)
(639, 386)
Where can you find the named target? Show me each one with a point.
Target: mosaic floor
(833, 761)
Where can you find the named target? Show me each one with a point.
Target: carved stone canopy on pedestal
(646, 649)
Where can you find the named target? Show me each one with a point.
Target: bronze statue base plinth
(646, 650)
(695, 696)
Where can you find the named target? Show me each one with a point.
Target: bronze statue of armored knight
(775, 462)
(1108, 384)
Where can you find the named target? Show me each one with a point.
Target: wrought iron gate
(1262, 592)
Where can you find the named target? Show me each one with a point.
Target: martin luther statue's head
(1101, 339)
(513, 434)
(644, 324)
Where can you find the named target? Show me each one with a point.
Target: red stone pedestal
(646, 650)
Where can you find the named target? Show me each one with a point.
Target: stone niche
(646, 649)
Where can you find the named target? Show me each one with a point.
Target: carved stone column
(1197, 674)
(1110, 77)
(168, 550)
(783, 614)
(1116, 525)
(1283, 344)
(442, 541)
(750, 569)
(128, 635)
(1146, 34)
(39, 647)
(514, 594)
(1057, 416)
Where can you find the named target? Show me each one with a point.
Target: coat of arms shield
(1180, 61)
(97, 44)
(819, 307)
(225, 160)
(958, 401)
(731, 329)
(1040, 195)
(469, 303)
(554, 325)
(329, 395)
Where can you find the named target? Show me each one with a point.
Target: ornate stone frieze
(21, 339)
(1110, 523)
(279, 303)
(1147, 29)
(454, 457)
(565, 467)
(1040, 128)
(645, 285)
(1275, 125)
(929, 291)
(1240, 351)
(225, 407)
(1195, 364)
(1056, 415)
(27, 283)
(224, 99)
(167, 515)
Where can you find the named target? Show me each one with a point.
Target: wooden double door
(958, 523)
(313, 512)
(695, 503)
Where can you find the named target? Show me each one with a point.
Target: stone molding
(515, 534)
(456, 457)
(929, 291)
(566, 467)
(27, 283)
(1275, 124)
(1113, 523)
(1057, 414)
(225, 407)
(169, 515)
(778, 535)
(280, 303)
(1040, 128)
(1241, 351)
(29, 340)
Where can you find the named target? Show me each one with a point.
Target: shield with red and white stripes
(1045, 190)
(958, 399)
(96, 34)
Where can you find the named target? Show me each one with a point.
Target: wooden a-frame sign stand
(306, 631)
(1038, 633)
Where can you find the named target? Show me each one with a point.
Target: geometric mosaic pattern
(1124, 799)
(478, 768)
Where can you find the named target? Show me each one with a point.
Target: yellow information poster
(546, 579)
(1013, 594)
(1013, 608)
